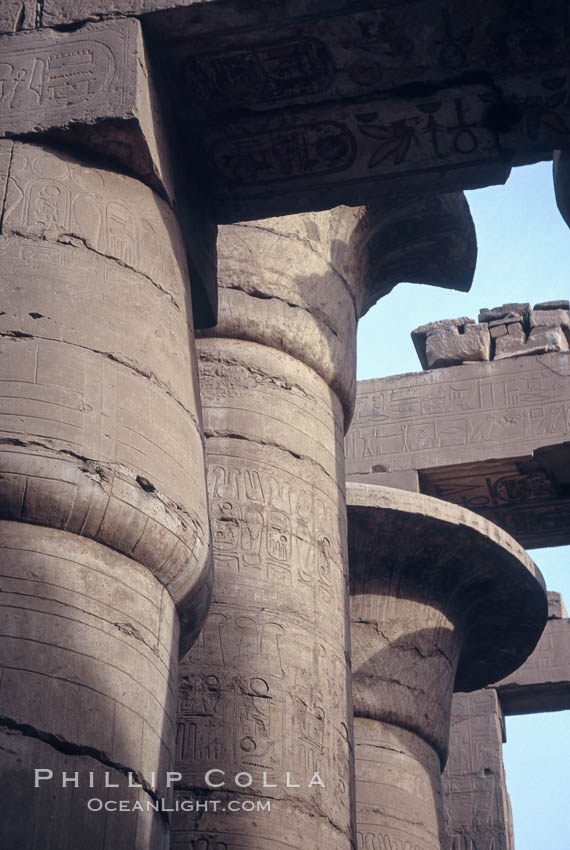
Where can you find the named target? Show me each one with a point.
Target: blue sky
(524, 255)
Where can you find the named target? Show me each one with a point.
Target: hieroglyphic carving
(267, 529)
(476, 805)
(77, 74)
(459, 413)
(472, 432)
(270, 72)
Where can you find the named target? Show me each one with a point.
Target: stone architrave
(440, 599)
(286, 109)
(490, 436)
(266, 690)
(476, 803)
(96, 89)
(104, 531)
(543, 681)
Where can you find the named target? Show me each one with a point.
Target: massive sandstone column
(440, 599)
(104, 540)
(265, 692)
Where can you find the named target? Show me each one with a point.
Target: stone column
(476, 804)
(440, 598)
(265, 692)
(104, 527)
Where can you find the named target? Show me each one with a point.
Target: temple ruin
(233, 620)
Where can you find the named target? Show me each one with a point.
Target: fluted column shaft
(103, 519)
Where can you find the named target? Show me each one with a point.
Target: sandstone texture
(104, 528)
(307, 111)
(440, 600)
(95, 89)
(266, 689)
(489, 436)
(476, 802)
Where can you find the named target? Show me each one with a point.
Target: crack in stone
(81, 750)
(122, 361)
(106, 475)
(311, 311)
(77, 241)
(308, 244)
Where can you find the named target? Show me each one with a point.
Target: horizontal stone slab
(489, 436)
(310, 110)
(543, 681)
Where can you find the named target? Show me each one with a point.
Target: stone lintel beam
(94, 89)
(440, 599)
(292, 108)
(542, 683)
(490, 436)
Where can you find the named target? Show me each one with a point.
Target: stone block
(549, 318)
(94, 88)
(544, 340)
(476, 802)
(511, 310)
(553, 305)
(556, 607)
(490, 436)
(510, 326)
(542, 683)
(498, 330)
(512, 344)
(291, 137)
(68, 81)
(419, 335)
(454, 345)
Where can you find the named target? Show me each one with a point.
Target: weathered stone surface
(439, 609)
(512, 311)
(420, 335)
(561, 172)
(104, 530)
(475, 799)
(543, 681)
(112, 415)
(17, 15)
(278, 385)
(425, 238)
(553, 305)
(477, 435)
(67, 81)
(49, 806)
(311, 110)
(476, 802)
(457, 345)
(95, 88)
(549, 318)
(543, 340)
(556, 607)
(406, 480)
(266, 688)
